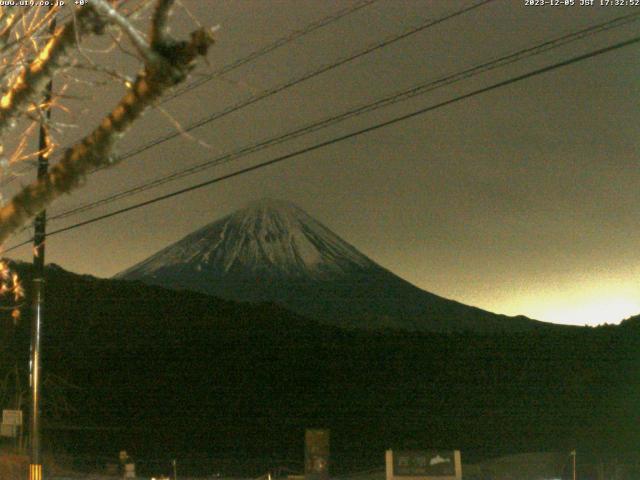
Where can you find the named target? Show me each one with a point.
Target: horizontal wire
(341, 138)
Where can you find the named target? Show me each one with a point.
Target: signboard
(316, 455)
(8, 430)
(12, 417)
(424, 465)
(130, 470)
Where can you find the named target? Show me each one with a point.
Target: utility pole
(35, 463)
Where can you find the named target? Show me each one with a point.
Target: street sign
(316, 455)
(130, 470)
(12, 417)
(424, 465)
(8, 430)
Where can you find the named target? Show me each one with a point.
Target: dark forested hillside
(273, 251)
(181, 372)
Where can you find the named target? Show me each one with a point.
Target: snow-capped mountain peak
(274, 251)
(269, 237)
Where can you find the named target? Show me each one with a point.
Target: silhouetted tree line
(191, 373)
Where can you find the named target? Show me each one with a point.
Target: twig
(159, 28)
(138, 41)
(174, 63)
(32, 79)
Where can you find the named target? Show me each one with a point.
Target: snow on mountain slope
(274, 251)
(269, 237)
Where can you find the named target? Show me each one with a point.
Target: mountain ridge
(250, 378)
(273, 250)
(251, 230)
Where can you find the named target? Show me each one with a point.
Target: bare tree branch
(172, 61)
(30, 83)
(138, 41)
(159, 28)
(9, 23)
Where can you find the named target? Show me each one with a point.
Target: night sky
(522, 200)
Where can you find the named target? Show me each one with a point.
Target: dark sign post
(424, 465)
(316, 455)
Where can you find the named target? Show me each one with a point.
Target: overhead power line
(268, 48)
(291, 83)
(347, 136)
(280, 42)
(411, 92)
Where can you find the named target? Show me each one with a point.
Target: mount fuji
(273, 251)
